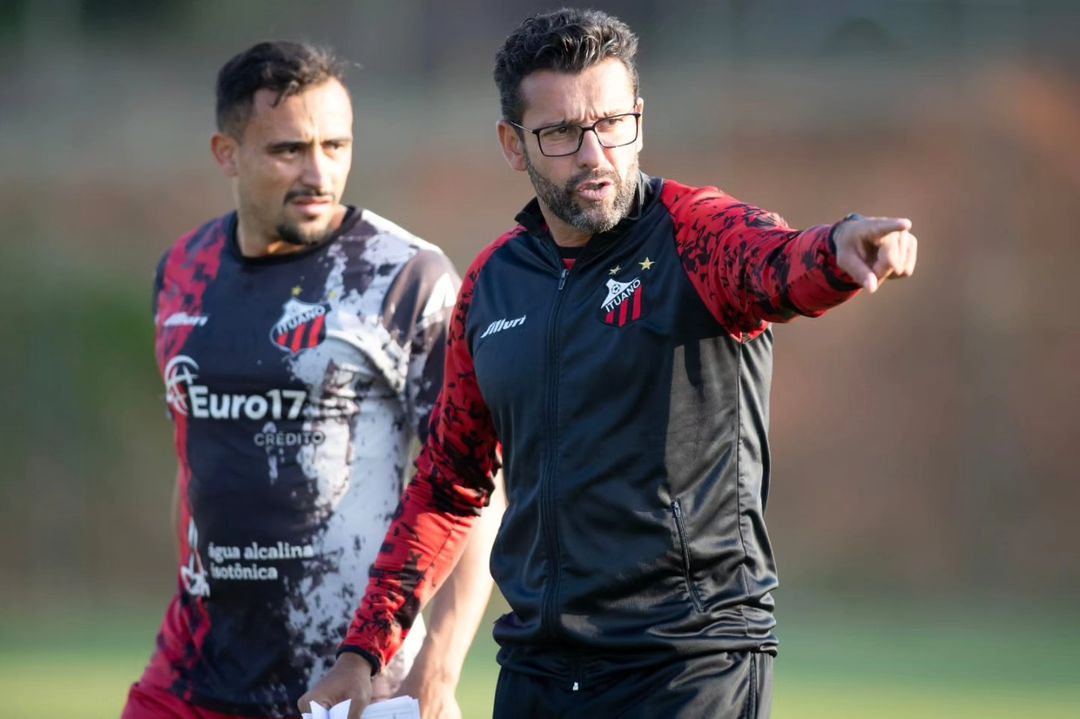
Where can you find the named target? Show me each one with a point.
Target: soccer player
(617, 343)
(301, 342)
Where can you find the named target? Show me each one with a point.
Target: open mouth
(594, 189)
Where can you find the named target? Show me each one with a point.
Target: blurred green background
(924, 440)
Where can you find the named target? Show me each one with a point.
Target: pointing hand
(873, 249)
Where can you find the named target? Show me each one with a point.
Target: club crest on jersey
(301, 326)
(624, 302)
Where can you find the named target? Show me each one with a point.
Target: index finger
(878, 227)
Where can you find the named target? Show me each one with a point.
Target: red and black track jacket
(630, 395)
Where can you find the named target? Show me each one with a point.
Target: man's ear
(225, 149)
(639, 106)
(512, 144)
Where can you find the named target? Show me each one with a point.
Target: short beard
(295, 236)
(561, 200)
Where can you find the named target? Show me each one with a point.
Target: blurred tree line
(923, 440)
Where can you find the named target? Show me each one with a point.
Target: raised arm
(750, 268)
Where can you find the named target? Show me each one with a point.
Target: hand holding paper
(396, 708)
(348, 682)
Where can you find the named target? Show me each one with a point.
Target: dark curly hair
(284, 67)
(569, 40)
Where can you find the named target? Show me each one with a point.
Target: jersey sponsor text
(199, 401)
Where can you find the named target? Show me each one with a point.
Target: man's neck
(564, 234)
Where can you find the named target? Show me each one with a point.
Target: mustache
(592, 176)
(316, 194)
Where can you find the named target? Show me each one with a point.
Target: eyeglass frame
(584, 129)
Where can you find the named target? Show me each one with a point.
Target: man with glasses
(617, 344)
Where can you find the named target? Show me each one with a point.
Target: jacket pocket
(684, 548)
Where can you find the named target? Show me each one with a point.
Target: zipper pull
(575, 687)
(562, 281)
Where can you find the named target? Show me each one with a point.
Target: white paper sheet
(396, 708)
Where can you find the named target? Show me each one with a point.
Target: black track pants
(732, 685)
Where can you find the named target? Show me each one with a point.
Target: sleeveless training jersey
(296, 384)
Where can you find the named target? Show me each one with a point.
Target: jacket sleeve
(748, 266)
(453, 482)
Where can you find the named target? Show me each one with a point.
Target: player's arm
(458, 606)
(455, 615)
(430, 527)
(424, 541)
(179, 531)
(750, 268)
(178, 528)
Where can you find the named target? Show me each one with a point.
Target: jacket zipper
(684, 546)
(547, 492)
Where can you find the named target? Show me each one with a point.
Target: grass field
(881, 664)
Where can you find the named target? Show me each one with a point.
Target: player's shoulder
(678, 196)
(714, 207)
(407, 265)
(390, 248)
(209, 236)
(199, 245)
(212, 231)
(483, 259)
(372, 226)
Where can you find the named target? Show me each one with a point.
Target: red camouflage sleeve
(748, 266)
(452, 483)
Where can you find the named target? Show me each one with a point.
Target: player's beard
(294, 234)
(301, 237)
(563, 201)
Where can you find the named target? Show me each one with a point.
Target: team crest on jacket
(301, 326)
(624, 302)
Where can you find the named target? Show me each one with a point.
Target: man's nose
(316, 171)
(591, 152)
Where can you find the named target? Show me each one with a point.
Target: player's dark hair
(281, 66)
(569, 40)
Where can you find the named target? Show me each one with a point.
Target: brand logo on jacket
(624, 302)
(503, 324)
(183, 319)
(302, 325)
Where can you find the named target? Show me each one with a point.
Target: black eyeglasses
(562, 140)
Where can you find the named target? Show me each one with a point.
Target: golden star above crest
(296, 291)
(647, 264)
(615, 270)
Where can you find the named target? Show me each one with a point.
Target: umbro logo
(503, 324)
